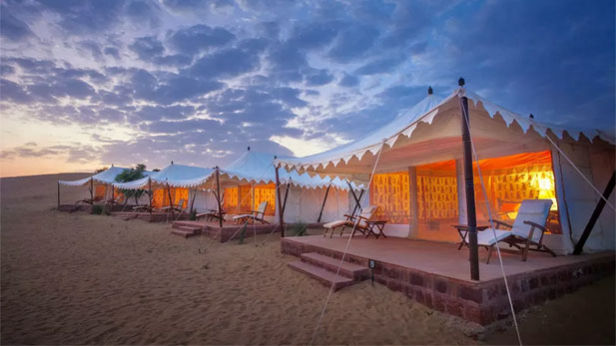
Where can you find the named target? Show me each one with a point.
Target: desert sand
(86, 279)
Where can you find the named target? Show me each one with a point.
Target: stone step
(183, 232)
(186, 226)
(323, 275)
(350, 270)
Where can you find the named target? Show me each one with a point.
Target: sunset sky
(85, 84)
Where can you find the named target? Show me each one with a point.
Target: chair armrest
(534, 224)
(502, 223)
(363, 217)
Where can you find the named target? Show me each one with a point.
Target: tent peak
(461, 82)
(531, 116)
(248, 148)
(430, 91)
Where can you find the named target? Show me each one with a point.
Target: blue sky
(89, 83)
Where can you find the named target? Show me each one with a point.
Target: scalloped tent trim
(417, 115)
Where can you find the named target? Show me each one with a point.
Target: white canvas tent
(105, 177)
(430, 133)
(184, 180)
(306, 194)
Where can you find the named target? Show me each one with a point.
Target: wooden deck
(438, 274)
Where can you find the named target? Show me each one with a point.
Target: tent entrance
(240, 199)
(437, 187)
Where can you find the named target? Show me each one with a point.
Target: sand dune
(85, 279)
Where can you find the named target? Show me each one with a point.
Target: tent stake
(323, 205)
(91, 191)
(471, 216)
(595, 215)
(280, 210)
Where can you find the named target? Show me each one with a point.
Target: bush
(299, 229)
(97, 209)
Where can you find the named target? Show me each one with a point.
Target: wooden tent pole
(323, 205)
(280, 211)
(150, 193)
(218, 196)
(471, 216)
(91, 191)
(595, 215)
(284, 200)
(170, 202)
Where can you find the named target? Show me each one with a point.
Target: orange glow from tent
(508, 181)
(160, 197)
(239, 199)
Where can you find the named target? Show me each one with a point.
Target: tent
(98, 184)
(417, 158)
(251, 179)
(173, 184)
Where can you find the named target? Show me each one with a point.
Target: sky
(87, 84)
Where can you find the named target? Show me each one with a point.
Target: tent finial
(461, 82)
(275, 157)
(531, 116)
(248, 148)
(430, 91)
(171, 161)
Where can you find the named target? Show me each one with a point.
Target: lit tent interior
(251, 179)
(100, 184)
(173, 184)
(418, 183)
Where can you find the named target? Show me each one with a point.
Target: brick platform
(437, 274)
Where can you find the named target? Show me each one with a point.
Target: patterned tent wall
(238, 199)
(508, 180)
(160, 197)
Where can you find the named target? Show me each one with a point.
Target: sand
(86, 279)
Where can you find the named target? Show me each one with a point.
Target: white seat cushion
(491, 236)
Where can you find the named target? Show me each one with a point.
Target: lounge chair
(526, 233)
(212, 214)
(178, 207)
(255, 215)
(349, 221)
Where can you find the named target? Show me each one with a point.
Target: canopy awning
(258, 168)
(105, 177)
(431, 132)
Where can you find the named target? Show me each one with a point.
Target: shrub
(97, 209)
(299, 229)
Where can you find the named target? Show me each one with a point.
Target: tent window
(508, 180)
(99, 191)
(160, 197)
(390, 192)
(238, 199)
(266, 193)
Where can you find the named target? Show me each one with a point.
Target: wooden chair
(525, 234)
(179, 207)
(349, 221)
(255, 215)
(212, 214)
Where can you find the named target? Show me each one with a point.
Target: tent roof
(105, 177)
(258, 167)
(426, 141)
(175, 175)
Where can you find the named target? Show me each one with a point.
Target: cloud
(11, 27)
(225, 63)
(197, 38)
(353, 42)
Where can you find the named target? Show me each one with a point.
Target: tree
(131, 174)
